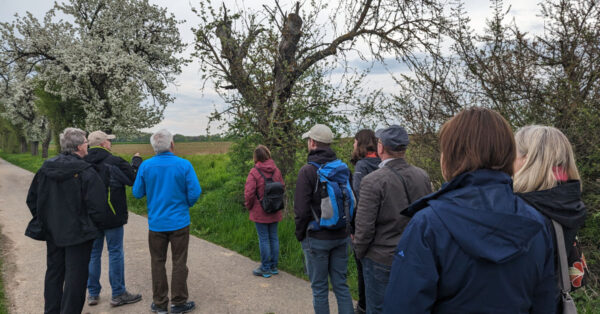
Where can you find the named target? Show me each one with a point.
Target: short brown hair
(476, 138)
(261, 153)
(321, 144)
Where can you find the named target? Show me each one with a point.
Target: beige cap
(320, 133)
(97, 137)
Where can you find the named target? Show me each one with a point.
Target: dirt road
(220, 280)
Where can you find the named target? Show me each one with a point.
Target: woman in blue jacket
(473, 246)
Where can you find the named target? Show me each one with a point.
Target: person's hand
(352, 237)
(136, 155)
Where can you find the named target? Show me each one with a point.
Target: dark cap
(393, 137)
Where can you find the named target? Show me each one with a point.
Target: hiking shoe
(260, 272)
(183, 308)
(125, 298)
(157, 309)
(274, 271)
(93, 300)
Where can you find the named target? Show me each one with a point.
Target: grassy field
(219, 215)
(186, 148)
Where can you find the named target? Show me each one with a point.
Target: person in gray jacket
(384, 193)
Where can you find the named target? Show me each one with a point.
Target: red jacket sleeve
(250, 191)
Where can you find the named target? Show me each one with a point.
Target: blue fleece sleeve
(139, 186)
(193, 185)
(413, 280)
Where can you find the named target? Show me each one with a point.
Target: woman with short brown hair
(473, 246)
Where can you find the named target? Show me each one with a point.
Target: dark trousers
(361, 284)
(66, 277)
(159, 243)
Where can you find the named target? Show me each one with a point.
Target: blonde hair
(544, 148)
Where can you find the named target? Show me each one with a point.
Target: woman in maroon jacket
(266, 224)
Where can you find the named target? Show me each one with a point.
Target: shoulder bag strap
(564, 282)
(403, 183)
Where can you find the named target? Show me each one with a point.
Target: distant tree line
(144, 138)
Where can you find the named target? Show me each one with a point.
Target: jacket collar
(478, 177)
(167, 153)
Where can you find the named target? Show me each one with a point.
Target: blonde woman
(546, 177)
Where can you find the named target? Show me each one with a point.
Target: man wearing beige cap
(325, 250)
(116, 173)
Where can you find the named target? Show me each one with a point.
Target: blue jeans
(268, 242)
(376, 277)
(116, 262)
(328, 258)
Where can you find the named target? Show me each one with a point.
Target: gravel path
(220, 280)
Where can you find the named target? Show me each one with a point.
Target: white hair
(161, 141)
(70, 139)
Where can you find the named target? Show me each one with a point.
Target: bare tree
(270, 65)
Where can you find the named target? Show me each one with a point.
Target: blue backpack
(337, 199)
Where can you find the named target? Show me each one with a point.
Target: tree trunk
(57, 140)
(46, 143)
(23, 145)
(35, 145)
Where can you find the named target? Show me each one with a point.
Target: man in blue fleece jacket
(171, 187)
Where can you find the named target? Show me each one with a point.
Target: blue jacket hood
(474, 209)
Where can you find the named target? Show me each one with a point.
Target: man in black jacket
(116, 173)
(325, 250)
(67, 200)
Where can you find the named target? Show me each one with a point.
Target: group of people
(78, 200)
(484, 242)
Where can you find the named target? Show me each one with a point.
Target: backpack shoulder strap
(403, 183)
(564, 282)
(319, 166)
(261, 174)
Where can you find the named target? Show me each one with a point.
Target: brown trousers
(159, 243)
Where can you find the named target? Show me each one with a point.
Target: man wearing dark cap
(384, 194)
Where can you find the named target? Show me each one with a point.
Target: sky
(188, 114)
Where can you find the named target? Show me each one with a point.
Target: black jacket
(305, 198)
(116, 173)
(563, 204)
(67, 200)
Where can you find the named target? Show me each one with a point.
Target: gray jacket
(379, 222)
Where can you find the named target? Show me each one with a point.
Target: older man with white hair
(67, 199)
(171, 187)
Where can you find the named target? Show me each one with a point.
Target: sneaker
(93, 300)
(183, 308)
(260, 272)
(157, 309)
(125, 298)
(274, 271)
